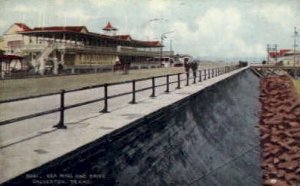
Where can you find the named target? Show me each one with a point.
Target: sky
(203, 28)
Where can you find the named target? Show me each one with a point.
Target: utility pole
(170, 47)
(276, 53)
(268, 54)
(295, 46)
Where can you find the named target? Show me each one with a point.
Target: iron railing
(201, 74)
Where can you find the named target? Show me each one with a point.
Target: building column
(42, 66)
(62, 58)
(64, 38)
(55, 67)
(2, 69)
(76, 39)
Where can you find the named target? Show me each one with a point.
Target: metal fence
(199, 76)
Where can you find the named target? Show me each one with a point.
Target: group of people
(191, 65)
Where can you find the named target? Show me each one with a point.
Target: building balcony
(80, 48)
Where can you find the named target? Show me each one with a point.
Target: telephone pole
(276, 53)
(295, 46)
(268, 53)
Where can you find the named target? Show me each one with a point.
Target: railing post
(60, 124)
(208, 73)
(200, 76)
(153, 87)
(133, 92)
(105, 109)
(187, 79)
(204, 74)
(213, 72)
(194, 76)
(167, 82)
(178, 81)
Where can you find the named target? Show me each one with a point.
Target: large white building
(75, 48)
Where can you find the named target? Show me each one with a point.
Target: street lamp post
(162, 37)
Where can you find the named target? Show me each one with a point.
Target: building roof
(72, 32)
(109, 27)
(23, 26)
(123, 37)
(61, 28)
(152, 43)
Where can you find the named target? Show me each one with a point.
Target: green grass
(10, 89)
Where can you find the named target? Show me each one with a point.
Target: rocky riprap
(280, 131)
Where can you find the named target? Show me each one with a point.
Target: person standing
(194, 67)
(186, 66)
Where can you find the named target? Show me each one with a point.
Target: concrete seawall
(208, 138)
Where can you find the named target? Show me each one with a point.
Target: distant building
(75, 48)
(285, 56)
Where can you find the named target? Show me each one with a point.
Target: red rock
(285, 157)
(276, 160)
(293, 130)
(291, 176)
(281, 127)
(295, 156)
(280, 173)
(274, 139)
(289, 165)
(294, 124)
(275, 150)
(275, 182)
(265, 136)
(286, 141)
(281, 183)
(296, 135)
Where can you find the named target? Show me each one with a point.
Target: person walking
(194, 67)
(186, 66)
(187, 69)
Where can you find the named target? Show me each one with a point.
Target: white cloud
(158, 5)
(76, 14)
(219, 22)
(2, 23)
(22, 9)
(59, 2)
(101, 3)
(277, 13)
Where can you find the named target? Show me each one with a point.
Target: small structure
(110, 30)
